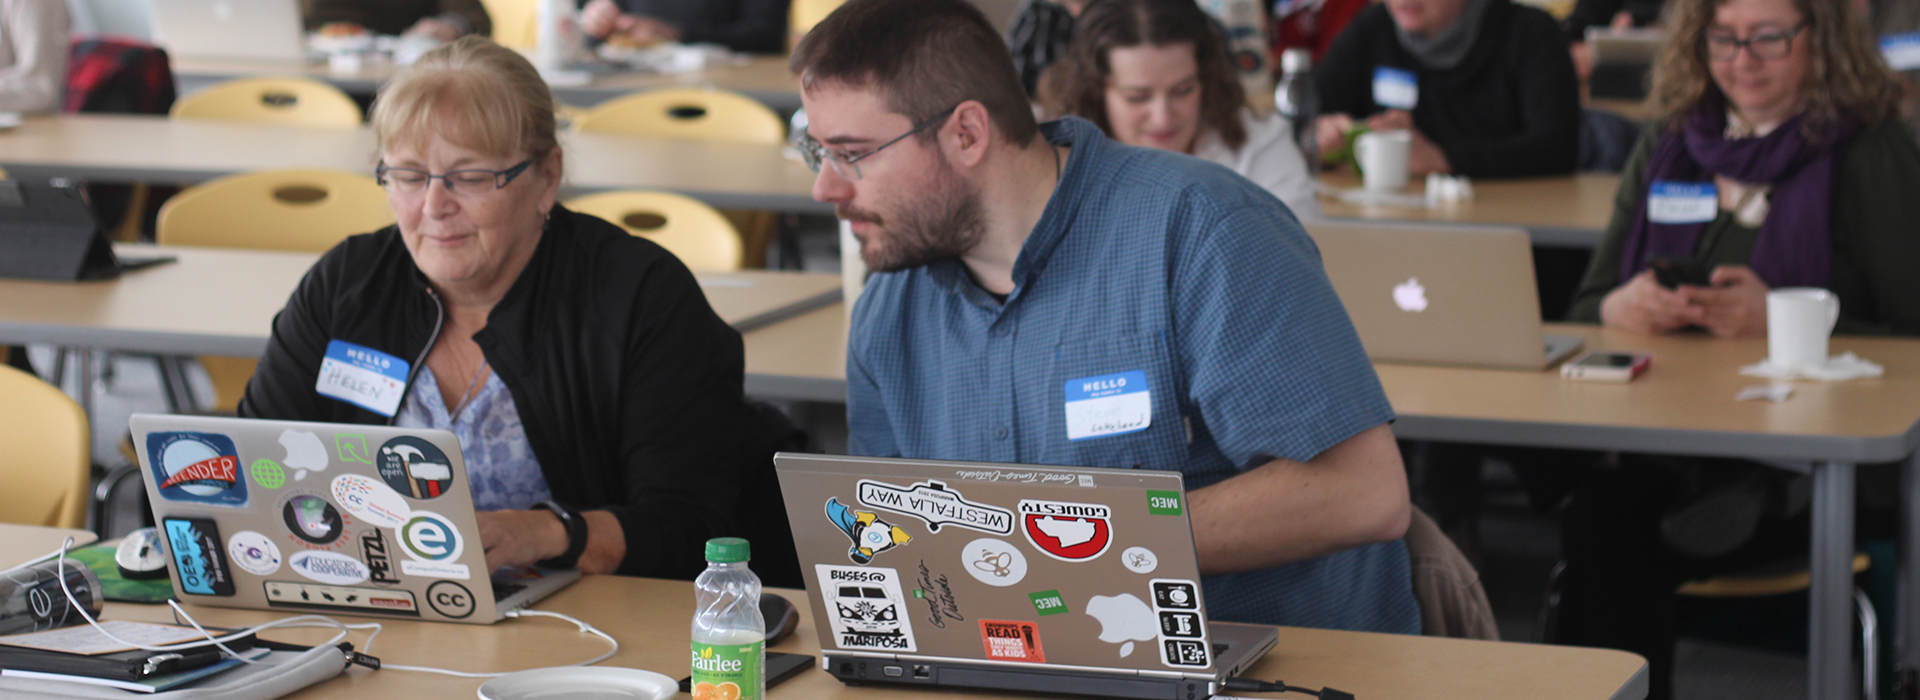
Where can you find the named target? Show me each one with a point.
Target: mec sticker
(362, 376)
(866, 608)
(934, 503)
(370, 501)
(869, 533)
(196, 468)
(198, 561)
(1109, 404)
(1067, 531)
(414, 467)
(254, 553)
(1009, 640)
(328, 567)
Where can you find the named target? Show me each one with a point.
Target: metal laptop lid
(998, 564)
(305, 517)
(230, 29)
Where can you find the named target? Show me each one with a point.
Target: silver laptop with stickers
(324, 517)
(1009, 577)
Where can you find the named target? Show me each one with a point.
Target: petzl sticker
(1139, 560)
(1109, 404)
(865, 608)
(198, 562)
(370, 501)
(434, 569)
(313, 520)
(196, 468)
(362, 376)
(994, 562)
(414, 467)
(1009, 640)
(869, 533)
(328, 567)
(254, 553)
(429, 536)
(1067, 531)
(374, 551)
(933, 502)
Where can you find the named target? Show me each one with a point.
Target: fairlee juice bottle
(729, 636)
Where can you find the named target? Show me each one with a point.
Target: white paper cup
(1799, 322)
(1383, 159)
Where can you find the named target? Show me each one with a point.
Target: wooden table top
(215, 301)
(650, 618)
(22, 543)
(158, 149)
(1565, 210)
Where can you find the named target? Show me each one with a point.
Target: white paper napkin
(1840, 368)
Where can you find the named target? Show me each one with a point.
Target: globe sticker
(1139, 560)
(994, 562)
(414, 467)
(268, 474)
(305, 452)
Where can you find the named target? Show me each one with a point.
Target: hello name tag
(1682, 202)
(1110, 404)
(1395, 89)
(364, 377)
(1902, 50)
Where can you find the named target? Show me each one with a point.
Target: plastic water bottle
(1298, 100)
(729, 636)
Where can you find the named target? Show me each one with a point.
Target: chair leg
(1546, 625)
(1869, 645)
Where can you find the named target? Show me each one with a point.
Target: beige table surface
(650, 618)
(215, 301)
(1570, 210)
(158, 149)
(22, 543)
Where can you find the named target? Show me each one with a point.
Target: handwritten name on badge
(1109, 404)
(1395, 89)
(1902, 50)
(1682, 202)
(361, 376)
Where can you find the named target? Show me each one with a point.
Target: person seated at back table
(1038, 36)
(33, 55)
(1486, 86)
(1897, 23)
(581, 368)
(1156, 73)
(746, 26)
(1782, 115)
(444, 20)
(1014, 259)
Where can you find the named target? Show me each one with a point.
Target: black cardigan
(1510, 109)
(627, 383)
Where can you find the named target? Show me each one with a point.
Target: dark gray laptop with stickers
(1008, 577)
(322, 517)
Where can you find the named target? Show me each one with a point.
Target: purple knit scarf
(1793, 248)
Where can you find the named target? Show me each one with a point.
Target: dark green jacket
(1875, 228)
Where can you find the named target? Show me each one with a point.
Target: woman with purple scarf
(1780, 161)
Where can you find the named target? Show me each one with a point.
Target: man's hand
(1424, 156)
(1643, 306)
(1352, 494)
(1735, 306)
(598, 17)
(521, 537)
(1331, 131)
(645, 31)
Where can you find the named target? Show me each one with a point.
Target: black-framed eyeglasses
(470, 182)
(1770, 46)
(844, 163)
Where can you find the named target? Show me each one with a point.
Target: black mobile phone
(779, 667)
(1674, 272)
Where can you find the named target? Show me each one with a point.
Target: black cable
(1251, 685)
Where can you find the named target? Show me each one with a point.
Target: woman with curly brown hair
(1778, 161)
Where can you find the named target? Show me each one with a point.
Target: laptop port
(922, 671)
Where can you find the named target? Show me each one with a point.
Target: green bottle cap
(727, 550)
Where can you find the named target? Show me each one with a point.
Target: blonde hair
(1846, 73)
(474, 93)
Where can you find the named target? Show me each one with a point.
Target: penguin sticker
(869, 533)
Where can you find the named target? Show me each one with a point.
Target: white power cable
(584, 627)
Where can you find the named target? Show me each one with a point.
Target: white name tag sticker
(1110, 404)
(1395, 89)
(364, 377)
(1902, 50)
(1682, 202)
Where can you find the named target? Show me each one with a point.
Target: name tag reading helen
(1110, 404)
(1902, 51)
(1682, 202)
(364, 377)
(1396, 89)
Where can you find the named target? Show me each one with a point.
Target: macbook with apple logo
(1450, 295)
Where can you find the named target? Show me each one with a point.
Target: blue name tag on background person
(1395, 89)
(364, 377)
(1109, 404)
(1902, 50)
(1682, 202)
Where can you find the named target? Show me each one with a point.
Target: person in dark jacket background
(445, 20)
(581, 368)
(1486, 86)
(747, 26)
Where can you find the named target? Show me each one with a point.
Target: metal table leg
(1906, 630)
(1830, 595)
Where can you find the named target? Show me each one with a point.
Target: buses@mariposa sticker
(866, 608)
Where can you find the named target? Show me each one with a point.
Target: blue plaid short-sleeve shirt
(1155, 263)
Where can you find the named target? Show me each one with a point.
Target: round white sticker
(371, 501)
(430, 536)
(328, 567)
(1139, 560)
(994, 562)
(253, 552)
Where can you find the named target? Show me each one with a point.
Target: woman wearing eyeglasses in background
(596, 395)
(1779, 162)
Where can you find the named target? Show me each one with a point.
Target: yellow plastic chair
(290, 101)
(46, 462)
(514, 24)
(294, 210)
(691, 230)
(803, 14)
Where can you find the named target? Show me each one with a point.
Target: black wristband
(576, 535)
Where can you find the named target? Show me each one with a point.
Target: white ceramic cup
(1383, 159)
(1799, 321)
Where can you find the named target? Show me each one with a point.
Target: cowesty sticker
(1068, 531)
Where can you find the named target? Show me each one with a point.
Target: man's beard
(947, 222)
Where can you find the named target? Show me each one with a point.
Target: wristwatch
(576, 535)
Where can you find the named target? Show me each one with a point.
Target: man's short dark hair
(922, 57)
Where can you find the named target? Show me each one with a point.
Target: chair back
(298, 210)
(685, 113)
(290, 101)
(1452, 601)
(692, 231)
(48, 455)
(515, 22)
(803, 14)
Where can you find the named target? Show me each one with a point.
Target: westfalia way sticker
(936, 504)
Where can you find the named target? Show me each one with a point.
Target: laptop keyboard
(502, 589)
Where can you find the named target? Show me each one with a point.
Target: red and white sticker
(1009, 640)
(1067, 531)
